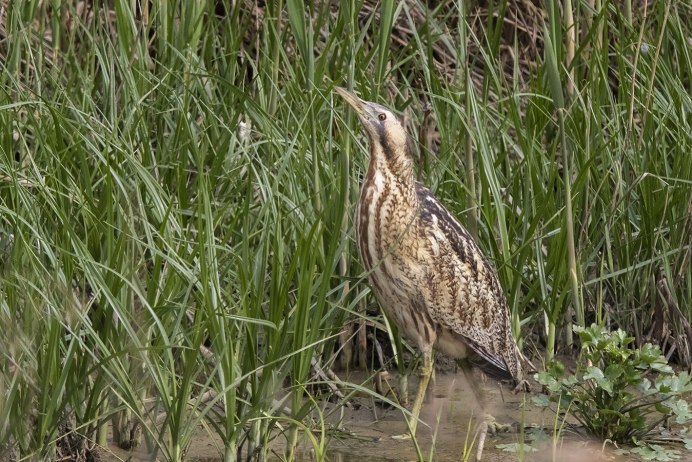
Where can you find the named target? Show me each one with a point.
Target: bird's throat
(387, 206)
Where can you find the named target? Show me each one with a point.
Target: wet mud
(364, 431)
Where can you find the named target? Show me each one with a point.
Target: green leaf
(589, 335)
(682, 412)
(614, 371)
(537, 435)
(596, 374)
(387, 17)
(674, 384)
(649, 355)
(556, 368)
(541, 400)
(645, 387)
(570, 381)
(545, 378)
(564, 399)
(656, 452)
(296, 17)
(662, 367)
(622, 339)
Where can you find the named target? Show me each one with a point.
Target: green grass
(152, 251)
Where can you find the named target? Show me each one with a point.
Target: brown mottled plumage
(426, 271)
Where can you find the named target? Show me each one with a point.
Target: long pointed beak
(356, 103)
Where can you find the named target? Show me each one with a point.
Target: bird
(427, 273)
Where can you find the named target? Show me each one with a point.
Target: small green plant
(618, 392)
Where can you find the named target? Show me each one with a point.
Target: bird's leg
(488, 424)
(426, 372)
(479, 394)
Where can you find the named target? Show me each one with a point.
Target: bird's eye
(382, 116)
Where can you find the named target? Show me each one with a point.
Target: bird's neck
(381, 181)
(392, 171)
(387, 207)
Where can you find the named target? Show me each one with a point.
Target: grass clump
(619, 393)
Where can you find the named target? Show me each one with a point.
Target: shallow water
(366, 432)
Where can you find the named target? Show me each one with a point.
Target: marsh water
(364, 431)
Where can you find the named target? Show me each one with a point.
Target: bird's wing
(463, 291)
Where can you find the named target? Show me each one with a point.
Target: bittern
(426, 271)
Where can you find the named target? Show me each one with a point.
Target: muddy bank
(364, 432)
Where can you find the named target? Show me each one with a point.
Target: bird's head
(390, 145)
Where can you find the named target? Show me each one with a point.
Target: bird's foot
(402, 437)
(492, 426)
(523, 385)
(495, 427)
